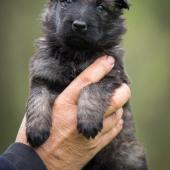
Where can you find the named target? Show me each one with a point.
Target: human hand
(65, 146)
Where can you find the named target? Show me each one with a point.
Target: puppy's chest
(71, 64)
(71, 70)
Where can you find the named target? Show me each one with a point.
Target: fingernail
(110, 60)
(119, 113)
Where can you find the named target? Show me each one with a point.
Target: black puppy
(77, 32)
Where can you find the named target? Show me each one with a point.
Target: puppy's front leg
(38, 114)
(92, 104)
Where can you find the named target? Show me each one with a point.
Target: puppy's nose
(79, 26)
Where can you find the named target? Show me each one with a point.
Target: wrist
(24, 157)
(58, 160)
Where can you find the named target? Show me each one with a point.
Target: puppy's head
(84, 24)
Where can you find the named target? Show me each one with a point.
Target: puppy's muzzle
(79, 26)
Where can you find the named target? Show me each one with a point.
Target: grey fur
(62, 54)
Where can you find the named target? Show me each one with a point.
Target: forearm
(19, 156)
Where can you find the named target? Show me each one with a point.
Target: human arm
(65, 146)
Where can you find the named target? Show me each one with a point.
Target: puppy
(77, 32)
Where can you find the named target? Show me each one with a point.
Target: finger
(111, 121)
(120, 97)
(21, 136)
(108, 137)
(92, 74)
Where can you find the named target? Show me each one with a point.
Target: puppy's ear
(53, 0)
(123, 4)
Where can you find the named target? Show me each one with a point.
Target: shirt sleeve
(21, 157)
(5, 164)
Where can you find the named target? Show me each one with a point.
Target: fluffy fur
(76, 32)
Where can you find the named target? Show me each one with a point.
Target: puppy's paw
(89, 129)
(37, 135)
(89, 122)
(91, 107)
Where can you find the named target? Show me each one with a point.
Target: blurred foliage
(147, 43)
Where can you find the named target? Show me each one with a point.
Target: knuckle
(128, 90)
(58, 101)
(101, 143)
(115, 132)
(106, 68)
(115, 120)
(94, 144)
(85, 80)
(116, 103)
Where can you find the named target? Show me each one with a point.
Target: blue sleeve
(5, 164)
(21, 157)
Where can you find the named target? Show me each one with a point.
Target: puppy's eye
(69, 1)
(100, 8)
(66, 1)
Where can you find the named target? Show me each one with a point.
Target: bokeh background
(147, 43)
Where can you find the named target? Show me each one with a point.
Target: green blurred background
(147, 43)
